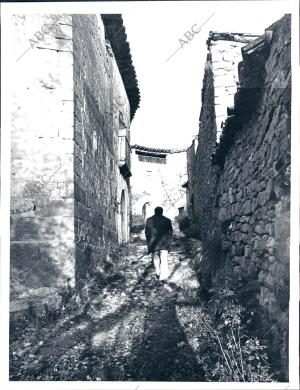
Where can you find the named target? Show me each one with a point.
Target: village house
(75, 94)
(158, 176)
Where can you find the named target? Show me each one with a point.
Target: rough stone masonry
(74, 95)
(239, 185)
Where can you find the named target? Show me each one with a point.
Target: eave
(115, 33)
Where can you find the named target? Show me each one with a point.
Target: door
(146, 211)
(123, 217)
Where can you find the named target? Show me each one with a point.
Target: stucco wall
(159, 182)
(225, 58)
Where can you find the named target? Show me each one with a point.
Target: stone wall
(101, 106)
(244, 183)
(157, 181)
(202, 180)
(42, 187)
(219, 87)
(190, 164)
(69, 200)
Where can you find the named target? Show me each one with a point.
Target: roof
(157, 150)
(116, 34)
(231, 36)
(254, 45)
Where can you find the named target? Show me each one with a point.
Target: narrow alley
(135, 329)
(106, 196)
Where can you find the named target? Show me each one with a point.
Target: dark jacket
(158, 233)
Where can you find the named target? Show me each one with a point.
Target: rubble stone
(251, 166)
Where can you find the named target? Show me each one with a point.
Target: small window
(151, 159)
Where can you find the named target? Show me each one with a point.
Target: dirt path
(136, 330)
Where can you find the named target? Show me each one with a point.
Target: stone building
(74, 96)
(239, 182)
(219, 87)
(158, 176)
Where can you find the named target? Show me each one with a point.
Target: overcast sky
(170, 88)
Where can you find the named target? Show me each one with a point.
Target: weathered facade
(70, 166)
(158, 176)
(239, 183)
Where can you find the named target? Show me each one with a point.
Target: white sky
(171, 90)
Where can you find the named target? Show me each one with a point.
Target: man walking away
(159, 233)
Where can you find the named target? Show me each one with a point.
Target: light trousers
(160, 259)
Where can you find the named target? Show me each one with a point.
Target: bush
(231, 317)
(207, 263)
(234, 355)
(184, 223)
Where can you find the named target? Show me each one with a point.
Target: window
(152, 159)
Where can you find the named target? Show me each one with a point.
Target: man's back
(158, 233)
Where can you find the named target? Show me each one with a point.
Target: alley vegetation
(130, 328)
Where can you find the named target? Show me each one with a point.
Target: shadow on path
(164, 353)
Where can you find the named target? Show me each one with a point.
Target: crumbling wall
(244, 183)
